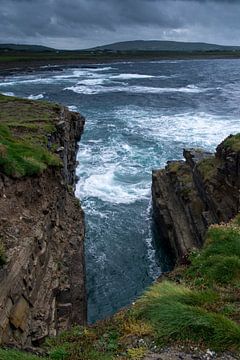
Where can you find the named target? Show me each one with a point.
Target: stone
(31, 281)
(19, 314)
(189, 196)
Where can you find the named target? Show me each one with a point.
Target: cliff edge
(189, 196)
(42, 275)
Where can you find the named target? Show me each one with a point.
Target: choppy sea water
(139, 115)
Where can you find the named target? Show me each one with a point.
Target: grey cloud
(85, 23)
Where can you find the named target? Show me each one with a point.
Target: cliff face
(42, 283)
(190, 195)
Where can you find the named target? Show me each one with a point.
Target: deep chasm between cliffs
(42, 272)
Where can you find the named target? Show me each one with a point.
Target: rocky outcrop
(42, 284)
(190, 195)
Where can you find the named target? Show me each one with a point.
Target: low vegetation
(16, 355)
(201, 309)
(29, 56)
(208, 167)
(25, 127)
(233, 142)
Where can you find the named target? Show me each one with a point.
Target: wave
(194, 129)
(131, 76)
(36, 97)
(105, 186)
(98, 89)
(8, 93)
(28, 81)
(73, 108)
(92, 82)
(107, 68)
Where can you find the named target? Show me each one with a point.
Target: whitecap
(195, 129)
(8, 93)
(98, 89)
(105, 186)
(28, 81)
(131, 76)
(159, 90)
(36, 97)
(107, 68)
(73, 108)
(92, 82)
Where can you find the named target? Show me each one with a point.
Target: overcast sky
(76, 24)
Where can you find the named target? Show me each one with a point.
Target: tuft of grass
(208, 167)
(132, 327)
(233, 142)
(178, 313)
(137, 353)
(219, 261)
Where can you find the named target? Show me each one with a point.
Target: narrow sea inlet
(139, 115)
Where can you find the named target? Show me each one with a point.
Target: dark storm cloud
(83, 23)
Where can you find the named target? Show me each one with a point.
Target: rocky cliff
(190, 195)
(42, 276)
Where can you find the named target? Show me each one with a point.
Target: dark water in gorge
(139, 115)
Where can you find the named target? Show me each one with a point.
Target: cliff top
(191, 310)
(233, 142)
(26, 127)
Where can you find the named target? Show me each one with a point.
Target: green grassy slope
(25, 126)
(158, 45)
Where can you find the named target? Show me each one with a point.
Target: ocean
(138, 115)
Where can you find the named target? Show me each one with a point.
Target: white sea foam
(92, 82)
(74, 74)
(106, 187)
(154, 269)
(28, 81)
(36, 97)
(190, 128)
(73, 108)
(98, 89)
(131, 76)
(107, 68)
(8, 93)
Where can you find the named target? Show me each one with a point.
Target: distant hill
(155, 45)
(27, 48)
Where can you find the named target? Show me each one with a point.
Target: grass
(208, 167)
(219, 261)
(180, 314)
(30, 56)
(25, 127)
(17, 355)
(202, 310)
(233, 142)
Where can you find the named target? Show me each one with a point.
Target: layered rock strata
(190, 195)
(42, 284)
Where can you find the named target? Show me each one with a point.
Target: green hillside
(155, 45)
(27, 48)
